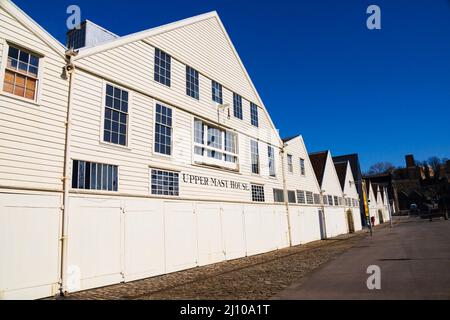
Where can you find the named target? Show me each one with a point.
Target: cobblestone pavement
(252, 278)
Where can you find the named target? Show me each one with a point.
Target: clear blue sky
(318, 69)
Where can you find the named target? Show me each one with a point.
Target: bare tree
(435, 164)
(380, 167)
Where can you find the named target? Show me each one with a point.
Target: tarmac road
(414, 260)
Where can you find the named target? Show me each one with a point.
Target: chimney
(88, 35)
(410, 163)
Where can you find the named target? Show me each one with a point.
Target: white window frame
(204, 159)
(302, 167)
(40, 76)
(251, 158)
(290, 164)
(172, 138)
(102, 117)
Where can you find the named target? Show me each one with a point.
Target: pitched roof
(33, 26)
(341, 170)
(318, 161)
(143, 35)
(354, 164)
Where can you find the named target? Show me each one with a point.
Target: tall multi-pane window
(289, 163)
(163, 63)
(21, 73)
(258, 193)
(165, 183)
(271, 156)
(325, 200)
(192, 83)
(216, 92)
(116, 116)
(254, 114)
(316, 198)
(336, 201)
(94, 176)
(302, 167)
(237, 106)
(211, 142)
(163, 130)
(254, 149)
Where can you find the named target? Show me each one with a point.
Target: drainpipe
(285, 195)
(322, 217)
(70, 71)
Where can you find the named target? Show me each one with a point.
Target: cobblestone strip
(255, 277)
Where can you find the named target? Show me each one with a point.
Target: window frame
(209, 161)
(154, 68)
(162, 195)
(252, 185)
(240, 114)
(154, 152)
(258, 156)
(220, 88)
(39, 79)
(302, 167)
(269, 147)
(290, 163)
(254, 106)
(102, 117)
(95, 190)
(188, 89)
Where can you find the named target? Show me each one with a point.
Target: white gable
(349, 185)
(330, 182)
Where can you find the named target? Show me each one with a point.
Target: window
(302, 167)
(291, 197)
(163, 130)
(316, 198)
(254, 156)
(330, 200)
(192, 83)
(278, 195)
(340, 201)
(214, 144)
(217, 92)
(336, 201)
(301, 197)
(254, 114)
(21, 73)
(258, 193)
(271, 155)
(116, 116)
(237, 106)
(309, 197)
(94, 176)
(165, 183)
(325, 200)
(289, 163)
(162, 67)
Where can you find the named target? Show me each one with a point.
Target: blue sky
(319, 70)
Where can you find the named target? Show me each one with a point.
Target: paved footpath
(414, 258)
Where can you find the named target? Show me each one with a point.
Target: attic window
(162, 67)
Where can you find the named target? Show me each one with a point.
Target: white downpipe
(70, 70)
(286, 197)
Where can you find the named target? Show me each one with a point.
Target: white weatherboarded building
(303, 192)
(33, 104)
(372, 201)
(351, 197)
(332, 196)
